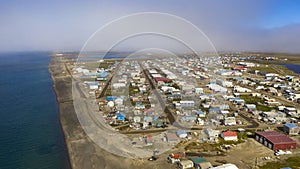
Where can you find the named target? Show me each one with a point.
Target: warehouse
(275, 140)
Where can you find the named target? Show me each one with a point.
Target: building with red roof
(229, 136)
(161, 79)
(275, 140)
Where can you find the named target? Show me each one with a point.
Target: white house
(187, 103)
(229, 136)
(229, 121)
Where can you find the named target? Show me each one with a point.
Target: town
(205, 112)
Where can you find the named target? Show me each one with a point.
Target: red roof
(280, 139)
(276, 137)
(229, 134)
(172, 137)
(239, 68)
(157, 79)
(149, 139)
(268, 133)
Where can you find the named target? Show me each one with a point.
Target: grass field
(292, 162)
(256, 100)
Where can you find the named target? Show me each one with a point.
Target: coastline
(82, 151)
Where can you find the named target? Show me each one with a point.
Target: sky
(231, 25)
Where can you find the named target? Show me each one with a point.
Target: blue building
(121, 116)
(291, 128)
(102, 76)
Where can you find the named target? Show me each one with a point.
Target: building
(172, 138)
(187, 103)
(224, 83)
(93, 85)
(102, 76)
(211, 134)
(149, 140)
(200, 163)
(185, 164)
(161, 79)
(275, 140)
(246, 64)
(226, 166)
(290, 111)
(291, 128)
(204, 165)
(229, 121)
(229, 136)
(217, 88)
(181, 133)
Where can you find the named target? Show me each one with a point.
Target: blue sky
(248, 25)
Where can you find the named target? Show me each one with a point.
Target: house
(198, 90)
(212, 134)
(102, 76)
(172, 138)
(139, 106)
(191, 118)
(271, 102)
(200, 113)
(197, 161)
(137, 119)
(270, 76)
(161, 79)
(290, 111)
(121, 116)
(119, 101)
(226, 166)
(181, 133)
(229, 121)
(246, 64)
(250, 107)
(241, 89)
(217, 88)
(204, 97)
(187, 88)
(118, 85)
(224, 83)
(93, 85)
(275, 140)
(291, 128)
(185, 164)
(111, 98)
(187, 103)
(229, 136)
(200, 121)
(204, 165)
(149, 140)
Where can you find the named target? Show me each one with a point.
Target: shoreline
(82, 151)
(59, 116)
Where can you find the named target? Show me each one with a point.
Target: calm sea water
(295, 68)
(31, 136)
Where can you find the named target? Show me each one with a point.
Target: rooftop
(276, 137)
(229, 134)
(291, 125)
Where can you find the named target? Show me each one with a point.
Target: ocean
(31, 135)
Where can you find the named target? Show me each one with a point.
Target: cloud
(231, 25)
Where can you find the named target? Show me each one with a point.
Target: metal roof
(291, 125)
(276, 137)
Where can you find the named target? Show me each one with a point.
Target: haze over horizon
(231, 25)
